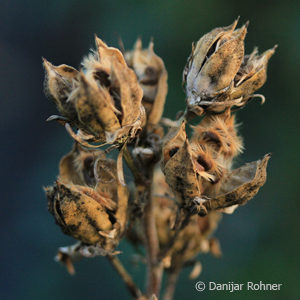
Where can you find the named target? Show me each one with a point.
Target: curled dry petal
(152, 77)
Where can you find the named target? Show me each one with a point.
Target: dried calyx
(218, 75)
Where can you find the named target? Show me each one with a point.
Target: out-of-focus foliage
(258, 241)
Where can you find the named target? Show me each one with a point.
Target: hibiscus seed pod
(103, 101)
(152, 77)
(77, 213)
(212, 66)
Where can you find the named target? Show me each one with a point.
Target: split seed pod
(212, 66)
(103, 101)
(152, 77)
(87, 200)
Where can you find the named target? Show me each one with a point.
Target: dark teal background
(260, 241)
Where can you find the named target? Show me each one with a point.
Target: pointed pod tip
(47, 64)
(138, 44)
(99, 42)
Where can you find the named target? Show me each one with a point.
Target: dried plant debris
(103, 100)
(218, 75)
(182, 183)
(87, 200)
(152, 77)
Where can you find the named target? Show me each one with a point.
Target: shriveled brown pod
(152, 77)
(212, 66)
(87, 200)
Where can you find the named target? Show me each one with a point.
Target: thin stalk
(132, 288)
(171, 285)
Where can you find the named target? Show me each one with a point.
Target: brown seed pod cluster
(118, 98)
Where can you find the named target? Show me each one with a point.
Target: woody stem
(155, 267)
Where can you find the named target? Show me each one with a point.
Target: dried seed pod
(212, 66)
(251, 76)
(87, 201)
(152, 77)
(103, 101)
(79, 212)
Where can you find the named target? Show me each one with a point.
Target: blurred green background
(260, 241)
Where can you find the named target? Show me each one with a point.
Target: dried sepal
(59, 83)
(251, 76)
(69, 254)
(152, 77)
(178, 165)
(213, 65)
(240, 185)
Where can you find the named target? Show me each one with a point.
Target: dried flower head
(152, 77)
(103, 100)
